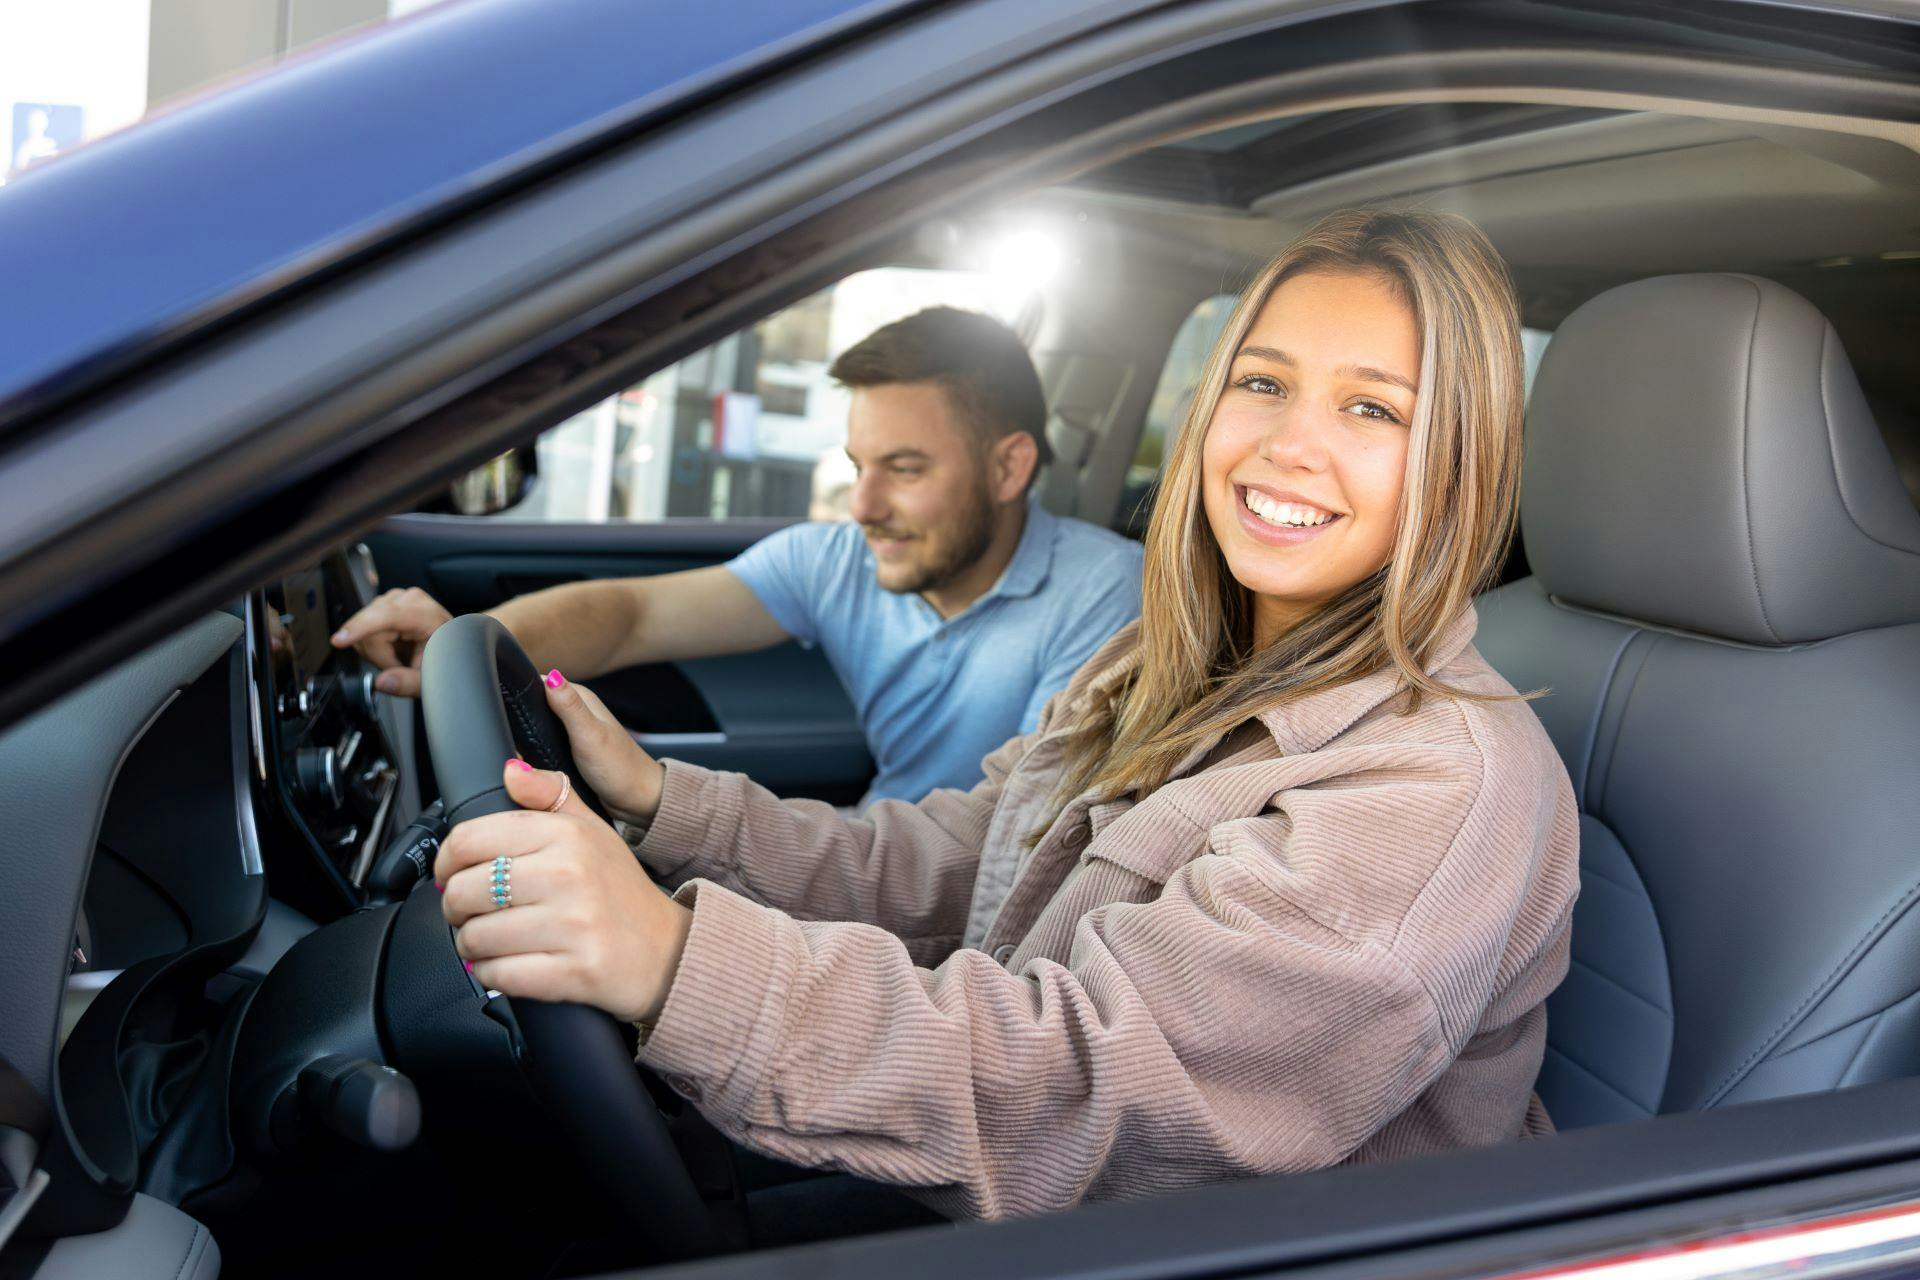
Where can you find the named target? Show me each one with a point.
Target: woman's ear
(1012, 463)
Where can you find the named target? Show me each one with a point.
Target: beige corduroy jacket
(1329, 941)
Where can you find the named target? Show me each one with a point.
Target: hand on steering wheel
(484, 705)
(621, 773)
(583, 922)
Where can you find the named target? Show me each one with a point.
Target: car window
(1533, 345)
(751, 426)
(1179, 379)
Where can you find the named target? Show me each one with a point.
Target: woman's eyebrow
(1364, 373)
(1358, 372)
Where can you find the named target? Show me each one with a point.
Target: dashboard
(335, 758)
(211, 843)
(275, 767)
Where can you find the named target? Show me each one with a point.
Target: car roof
(141, 238)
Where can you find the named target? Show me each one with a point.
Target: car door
(779, 715)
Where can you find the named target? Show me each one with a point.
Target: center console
(333, 758)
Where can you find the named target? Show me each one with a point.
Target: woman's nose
(1296, 437)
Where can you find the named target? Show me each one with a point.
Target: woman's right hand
(627, 779)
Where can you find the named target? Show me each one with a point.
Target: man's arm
(583, 628)
(589, 628)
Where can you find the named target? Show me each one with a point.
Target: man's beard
(957, 554)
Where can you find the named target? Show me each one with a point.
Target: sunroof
(1234, 167)
(1222, 141)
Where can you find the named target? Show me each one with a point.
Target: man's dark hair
(980, 363)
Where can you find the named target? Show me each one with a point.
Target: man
(951, 609)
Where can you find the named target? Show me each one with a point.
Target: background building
(72, 70)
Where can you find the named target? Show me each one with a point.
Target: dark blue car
(521, 292)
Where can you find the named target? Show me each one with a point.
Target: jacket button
(1076, 837)
(1003, 953)
(685, 1087)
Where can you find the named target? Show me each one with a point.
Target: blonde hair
(1196, 674)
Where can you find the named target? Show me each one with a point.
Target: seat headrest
(1700, 456)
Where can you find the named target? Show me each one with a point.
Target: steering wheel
(484, 703)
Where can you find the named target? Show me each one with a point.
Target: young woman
(1281, 880)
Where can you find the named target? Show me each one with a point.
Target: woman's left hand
(585, 925)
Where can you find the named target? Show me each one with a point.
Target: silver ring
(566, 789)
(503, 882)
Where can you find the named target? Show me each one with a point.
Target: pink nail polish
(469, 965)
(438, 887)
(518, 763)
(555, 679)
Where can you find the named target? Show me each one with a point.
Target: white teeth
(1289, 514)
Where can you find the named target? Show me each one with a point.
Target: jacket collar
(1305, 724)
(1299, 725)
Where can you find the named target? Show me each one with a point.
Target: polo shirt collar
(1032, 559)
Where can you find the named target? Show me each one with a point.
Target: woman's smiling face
(1304, 458)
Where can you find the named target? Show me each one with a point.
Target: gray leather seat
(1725, 602)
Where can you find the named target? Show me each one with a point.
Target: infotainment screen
(305, 595)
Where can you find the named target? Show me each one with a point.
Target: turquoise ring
(503, 882)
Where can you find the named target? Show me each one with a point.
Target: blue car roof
(137, 239)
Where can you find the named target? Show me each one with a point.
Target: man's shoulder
(821, 532)
(820, 545)
(795, 571)
(1080, 545)
(1093, 586)
(1109, 663)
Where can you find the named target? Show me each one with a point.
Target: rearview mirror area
(495, 485)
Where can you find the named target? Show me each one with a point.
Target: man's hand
(392, 634)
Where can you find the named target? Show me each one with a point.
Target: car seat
(1725, 605)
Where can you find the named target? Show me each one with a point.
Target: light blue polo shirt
(936, 695)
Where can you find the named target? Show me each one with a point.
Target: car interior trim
(485, 534)
(249, 750)
(82, 741)
(20, 1203)
(91, 979)
(155, 1241)
(1588, 1190)
(670, 741)
(1567, 1247)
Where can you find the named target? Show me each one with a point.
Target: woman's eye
(1376, 411)
(1259, 382)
